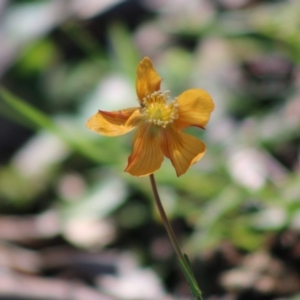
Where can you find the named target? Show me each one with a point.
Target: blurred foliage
(245, 190)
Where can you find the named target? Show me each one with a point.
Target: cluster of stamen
(157, 111)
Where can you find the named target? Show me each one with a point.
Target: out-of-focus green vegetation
(60, 62)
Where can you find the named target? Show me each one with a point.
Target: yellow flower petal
(135, 119)
(111, 123)
(146, 156)
(194, 109)
(147, 81)
(199, 156)
(182, 149)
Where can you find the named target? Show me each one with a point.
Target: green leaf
(190, 278)
(41, 120)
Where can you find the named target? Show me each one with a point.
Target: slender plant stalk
(165, 219)
(183, 259)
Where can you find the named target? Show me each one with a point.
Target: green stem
(183, 259)
(165, 220)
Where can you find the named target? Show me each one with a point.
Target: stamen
(156, 110)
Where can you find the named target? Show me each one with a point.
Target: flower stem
(165, 219)
(183, 259)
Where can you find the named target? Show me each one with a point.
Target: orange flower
(158, 124)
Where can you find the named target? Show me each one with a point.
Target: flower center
(157, 111)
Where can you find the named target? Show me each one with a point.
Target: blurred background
(73, 225)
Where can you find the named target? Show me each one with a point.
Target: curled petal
(194, 108)
(199, 156)
(135, 119)
(147, 81)
(182, 149)
(146, 156)
(111, 123)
